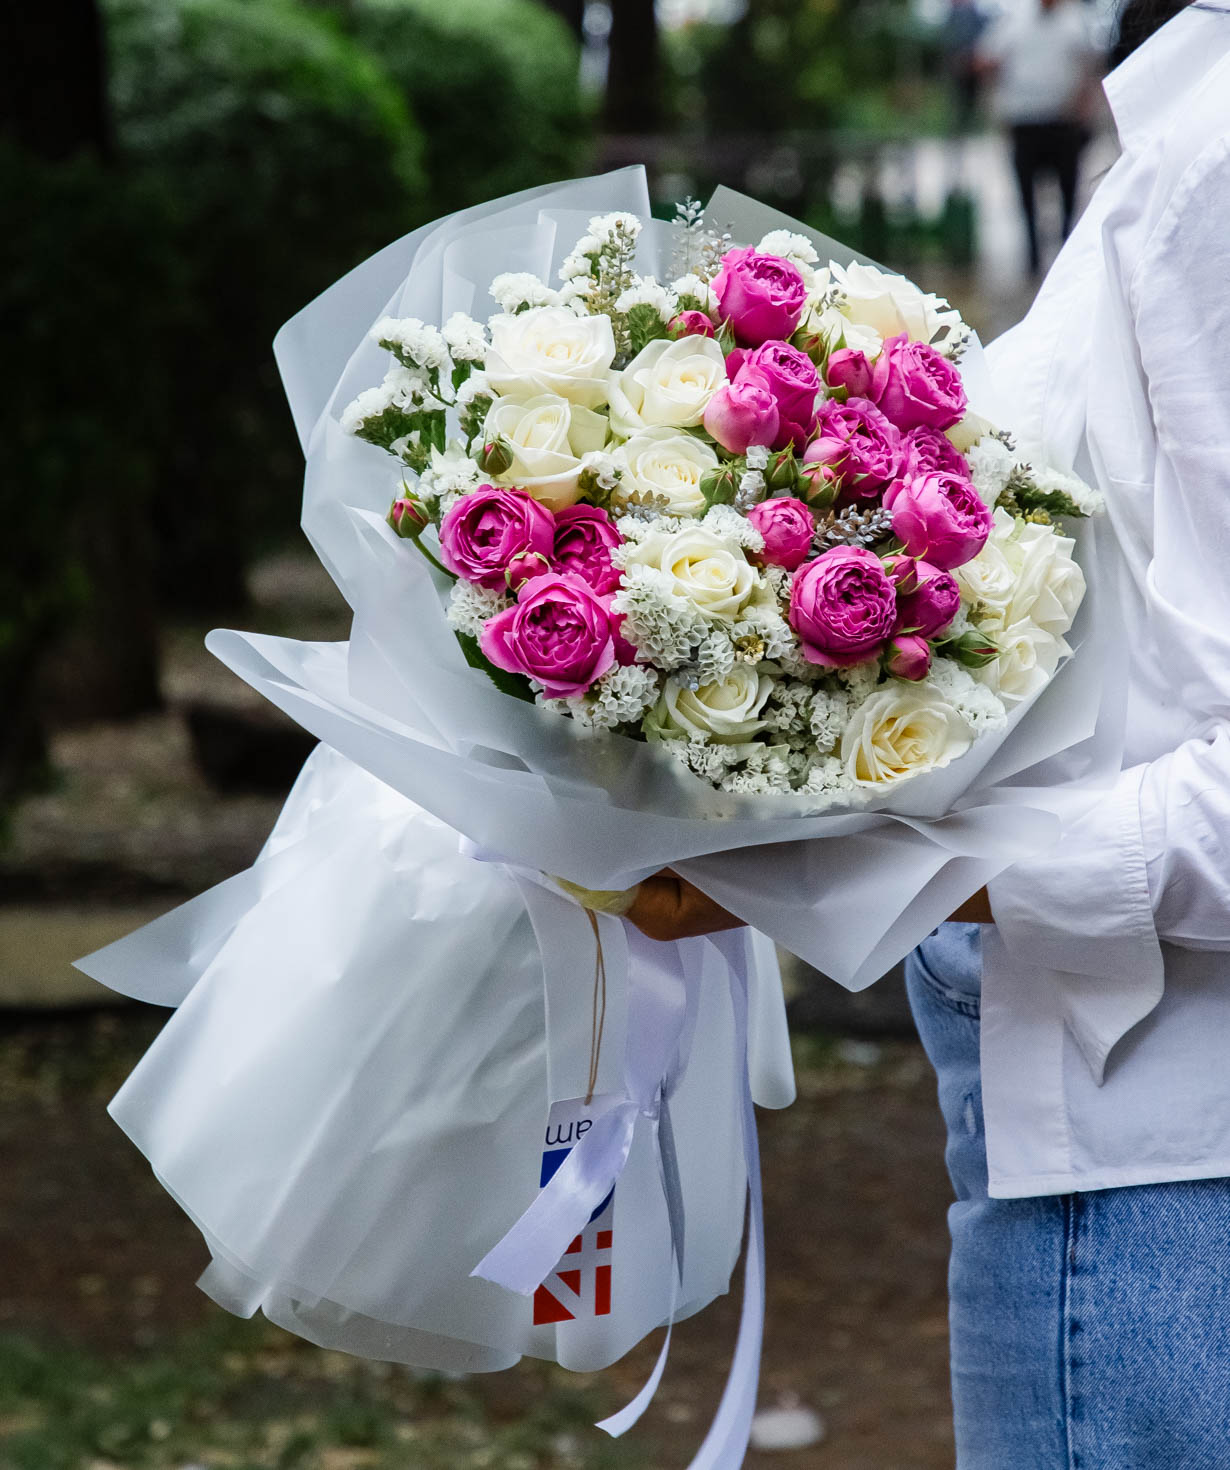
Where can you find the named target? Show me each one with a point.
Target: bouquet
(745, 514)
(724, 566)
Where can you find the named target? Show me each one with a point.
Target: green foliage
(494, 83)
(510, 684)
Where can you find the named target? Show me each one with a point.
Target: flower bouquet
(705, 551)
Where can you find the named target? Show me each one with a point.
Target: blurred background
(178, 177)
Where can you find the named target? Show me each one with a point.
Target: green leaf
(512, 684)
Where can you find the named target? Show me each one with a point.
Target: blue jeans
(1089, 1331)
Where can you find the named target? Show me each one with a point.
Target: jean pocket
(964, 999)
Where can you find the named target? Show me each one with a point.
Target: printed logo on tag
(580, 1286)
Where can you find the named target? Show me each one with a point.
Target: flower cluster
(746, 514)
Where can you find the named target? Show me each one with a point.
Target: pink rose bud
(903, 573)
(787, 527)
(916, 386)
(940, 518)
(559, 633)
(792, 379)
(585, 536)
(908, 657)
(930, 604)
(743, 413)
(761, 296)
(408, 517)
(851, 370)
(843, 607)
(495, 458)
(491, 535)
(690, 324)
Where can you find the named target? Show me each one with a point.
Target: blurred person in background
(1044, 63)
(962, 30)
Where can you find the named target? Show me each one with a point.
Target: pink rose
(855, 446)
(787, 527)
(851, 370)
(691, 324)
(793, 380)
(761, 296)
(743, 413)
(585, 536)
(928, 449)
(843, 606)
(908, 657)
(917, 386)
(558, 633)
(497, 537)
(939, 517)
(927, 598)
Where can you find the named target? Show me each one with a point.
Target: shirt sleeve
(1147, 864)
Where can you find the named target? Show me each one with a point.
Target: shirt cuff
(1084, 912)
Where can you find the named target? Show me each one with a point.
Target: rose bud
(690, 324)
(408, 517)
(783, 473)
(849, 369)
(791, 377)
(787, 527)
(719, 485)
(743, 413)
(903, 573)
(973, 649)
(495, 458)
(908, 656)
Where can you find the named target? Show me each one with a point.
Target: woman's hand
(975, 910)
(669, 907)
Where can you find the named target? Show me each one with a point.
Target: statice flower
(412, 342)
(981, 708)
(645, 291)
(622, 697)
(470, 606)
(991, 463)
(665, 627)
(790, 246)
(516, 291)
(466, 338)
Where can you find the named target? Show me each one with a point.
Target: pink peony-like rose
(496, 538)
(691, 324)
(927, 450)
(931, 602)
(850, 369)
(761, 296)
(843, 606)
(916, 386)
(585, 536)
(743, 413)
(793, 380)
(855, 446)
(787, 527)
(908, 657)
(559, 633)
(939, 517)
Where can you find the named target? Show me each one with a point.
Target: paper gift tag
(580, 1286)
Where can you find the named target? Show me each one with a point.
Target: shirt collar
(1144, 89)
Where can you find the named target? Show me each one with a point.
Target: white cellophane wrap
(349, 1100)
(373, 1020)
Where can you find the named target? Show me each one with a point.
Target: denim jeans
(1089, 1331)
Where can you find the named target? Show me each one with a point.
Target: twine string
(598, 1008)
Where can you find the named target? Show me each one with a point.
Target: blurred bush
(494, 83)
(285, 153)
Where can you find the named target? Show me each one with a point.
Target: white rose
(902, 730)
(667, 385)
(1049, 584)
(550, 349)
(550, 440)
(1028, 658)
(716, 579)
(836, 331)
(891, 304)
(726, 712)
(968, 431)
(666, 464)
(987, 583)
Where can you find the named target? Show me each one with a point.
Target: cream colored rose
(727, 711)
(550, 349)
(550, 439)
(987, 584)
(891, 304)
(714, 577)
(667, 385)
(967, 431)
(837, 331)
(1049, 585)
(668, 465)
(1028, 658)
(902, 730)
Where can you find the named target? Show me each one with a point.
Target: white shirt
(1111, 1065)
(1044, 58)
